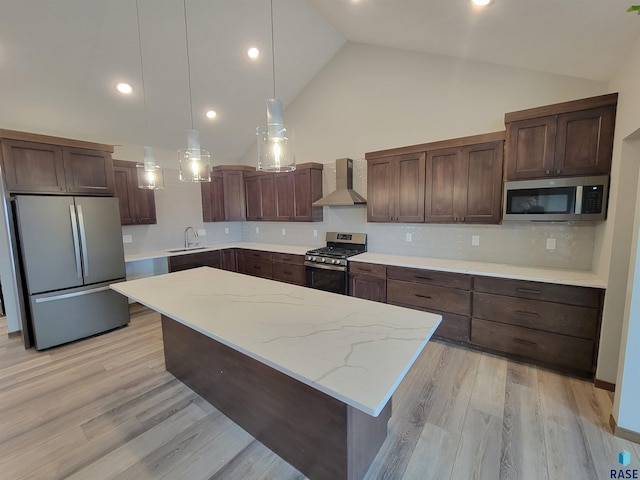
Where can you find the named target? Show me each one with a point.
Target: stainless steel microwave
(556, 199)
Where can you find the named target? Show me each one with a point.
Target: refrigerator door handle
(83, 239)
(71, 295)
(76, 243)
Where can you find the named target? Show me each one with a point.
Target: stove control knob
(323, 260)
(313, 259)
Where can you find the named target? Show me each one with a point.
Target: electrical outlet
(257, 229)
(409, 237)
(127, 238)
(315, 232)
(284, 231)
(226, 230)
(475, 240)
(202, 232)
(551, 243)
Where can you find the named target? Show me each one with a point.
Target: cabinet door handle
(462, 219)
(422, 278)
(286, 259)
(558, 171)
(547, 172)
(528, 290)
(524, 313)
(529, 343)
(422, 296)
(455, 219)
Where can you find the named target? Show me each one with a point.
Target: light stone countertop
(354, 350)
(581, 278)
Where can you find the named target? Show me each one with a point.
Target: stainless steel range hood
(344, 194)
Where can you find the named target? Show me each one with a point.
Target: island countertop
(354, 350)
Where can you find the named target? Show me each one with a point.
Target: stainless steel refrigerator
(70, 250)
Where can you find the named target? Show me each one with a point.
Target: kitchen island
(308, 373)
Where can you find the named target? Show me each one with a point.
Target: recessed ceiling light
(124, 88)
(253, 53)
(211, 114)
(481, 3)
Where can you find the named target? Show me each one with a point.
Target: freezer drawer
(67, 315)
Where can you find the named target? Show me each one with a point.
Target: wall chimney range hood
(344, 194)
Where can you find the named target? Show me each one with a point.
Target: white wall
(617, 252)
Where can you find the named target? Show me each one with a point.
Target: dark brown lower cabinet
(368, 281)
(194, 260)
(289, 268)
(228, 260)
(255, 262)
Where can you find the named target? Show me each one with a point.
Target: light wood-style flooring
(105, 408)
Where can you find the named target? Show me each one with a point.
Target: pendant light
(195, 163)
(150, 174)
(274, 141)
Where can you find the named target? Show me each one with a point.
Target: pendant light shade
(275, 152)
(150, 174)
(195, 163)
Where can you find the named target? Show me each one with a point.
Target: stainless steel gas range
(327, 267)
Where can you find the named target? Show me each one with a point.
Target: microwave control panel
(592, 198)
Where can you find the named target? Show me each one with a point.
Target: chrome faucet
(187, 243)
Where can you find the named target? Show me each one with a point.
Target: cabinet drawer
(371, 269)
(289, 273)
(256, 267)
(432, 277)
(256, 255)
(552, 317)
(550, 348)
(550, 292)
(288, 258)
(430, 297)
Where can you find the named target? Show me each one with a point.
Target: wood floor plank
(523, 452)
(567, 448)
(488, 393)
(434, 443)
(478, 455)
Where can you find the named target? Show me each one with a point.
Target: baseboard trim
(623, 432)
(604, 385)
(14, 334)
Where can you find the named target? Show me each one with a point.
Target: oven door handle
(322, 266)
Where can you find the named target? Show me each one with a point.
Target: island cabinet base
(319, 435)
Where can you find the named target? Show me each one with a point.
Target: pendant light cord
(144, 90)
(186, 37)
(273, 54)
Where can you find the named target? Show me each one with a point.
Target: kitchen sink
(184, 249)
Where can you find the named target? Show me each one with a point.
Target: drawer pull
(528, 290)
(529, 343)
(422, 296)
(256, 254)
(527, 314)
(256, 267)
(423, 278)
(287, 272)
(364, 269)
(286, 259)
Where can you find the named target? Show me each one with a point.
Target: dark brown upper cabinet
(137, 205)
(307, 188)
(223, 199)
(41, 164)
(565, 139)
(260, 196)
(464, 184)
(395, 188)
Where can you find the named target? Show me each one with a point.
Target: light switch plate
(202, 232)
(551, 243)
(315, 232)
(257, 229)
(284, 231)
(409, 237)
(475, 240)
(127, 238)
(226, 230)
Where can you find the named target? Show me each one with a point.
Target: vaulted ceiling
(60, 59)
